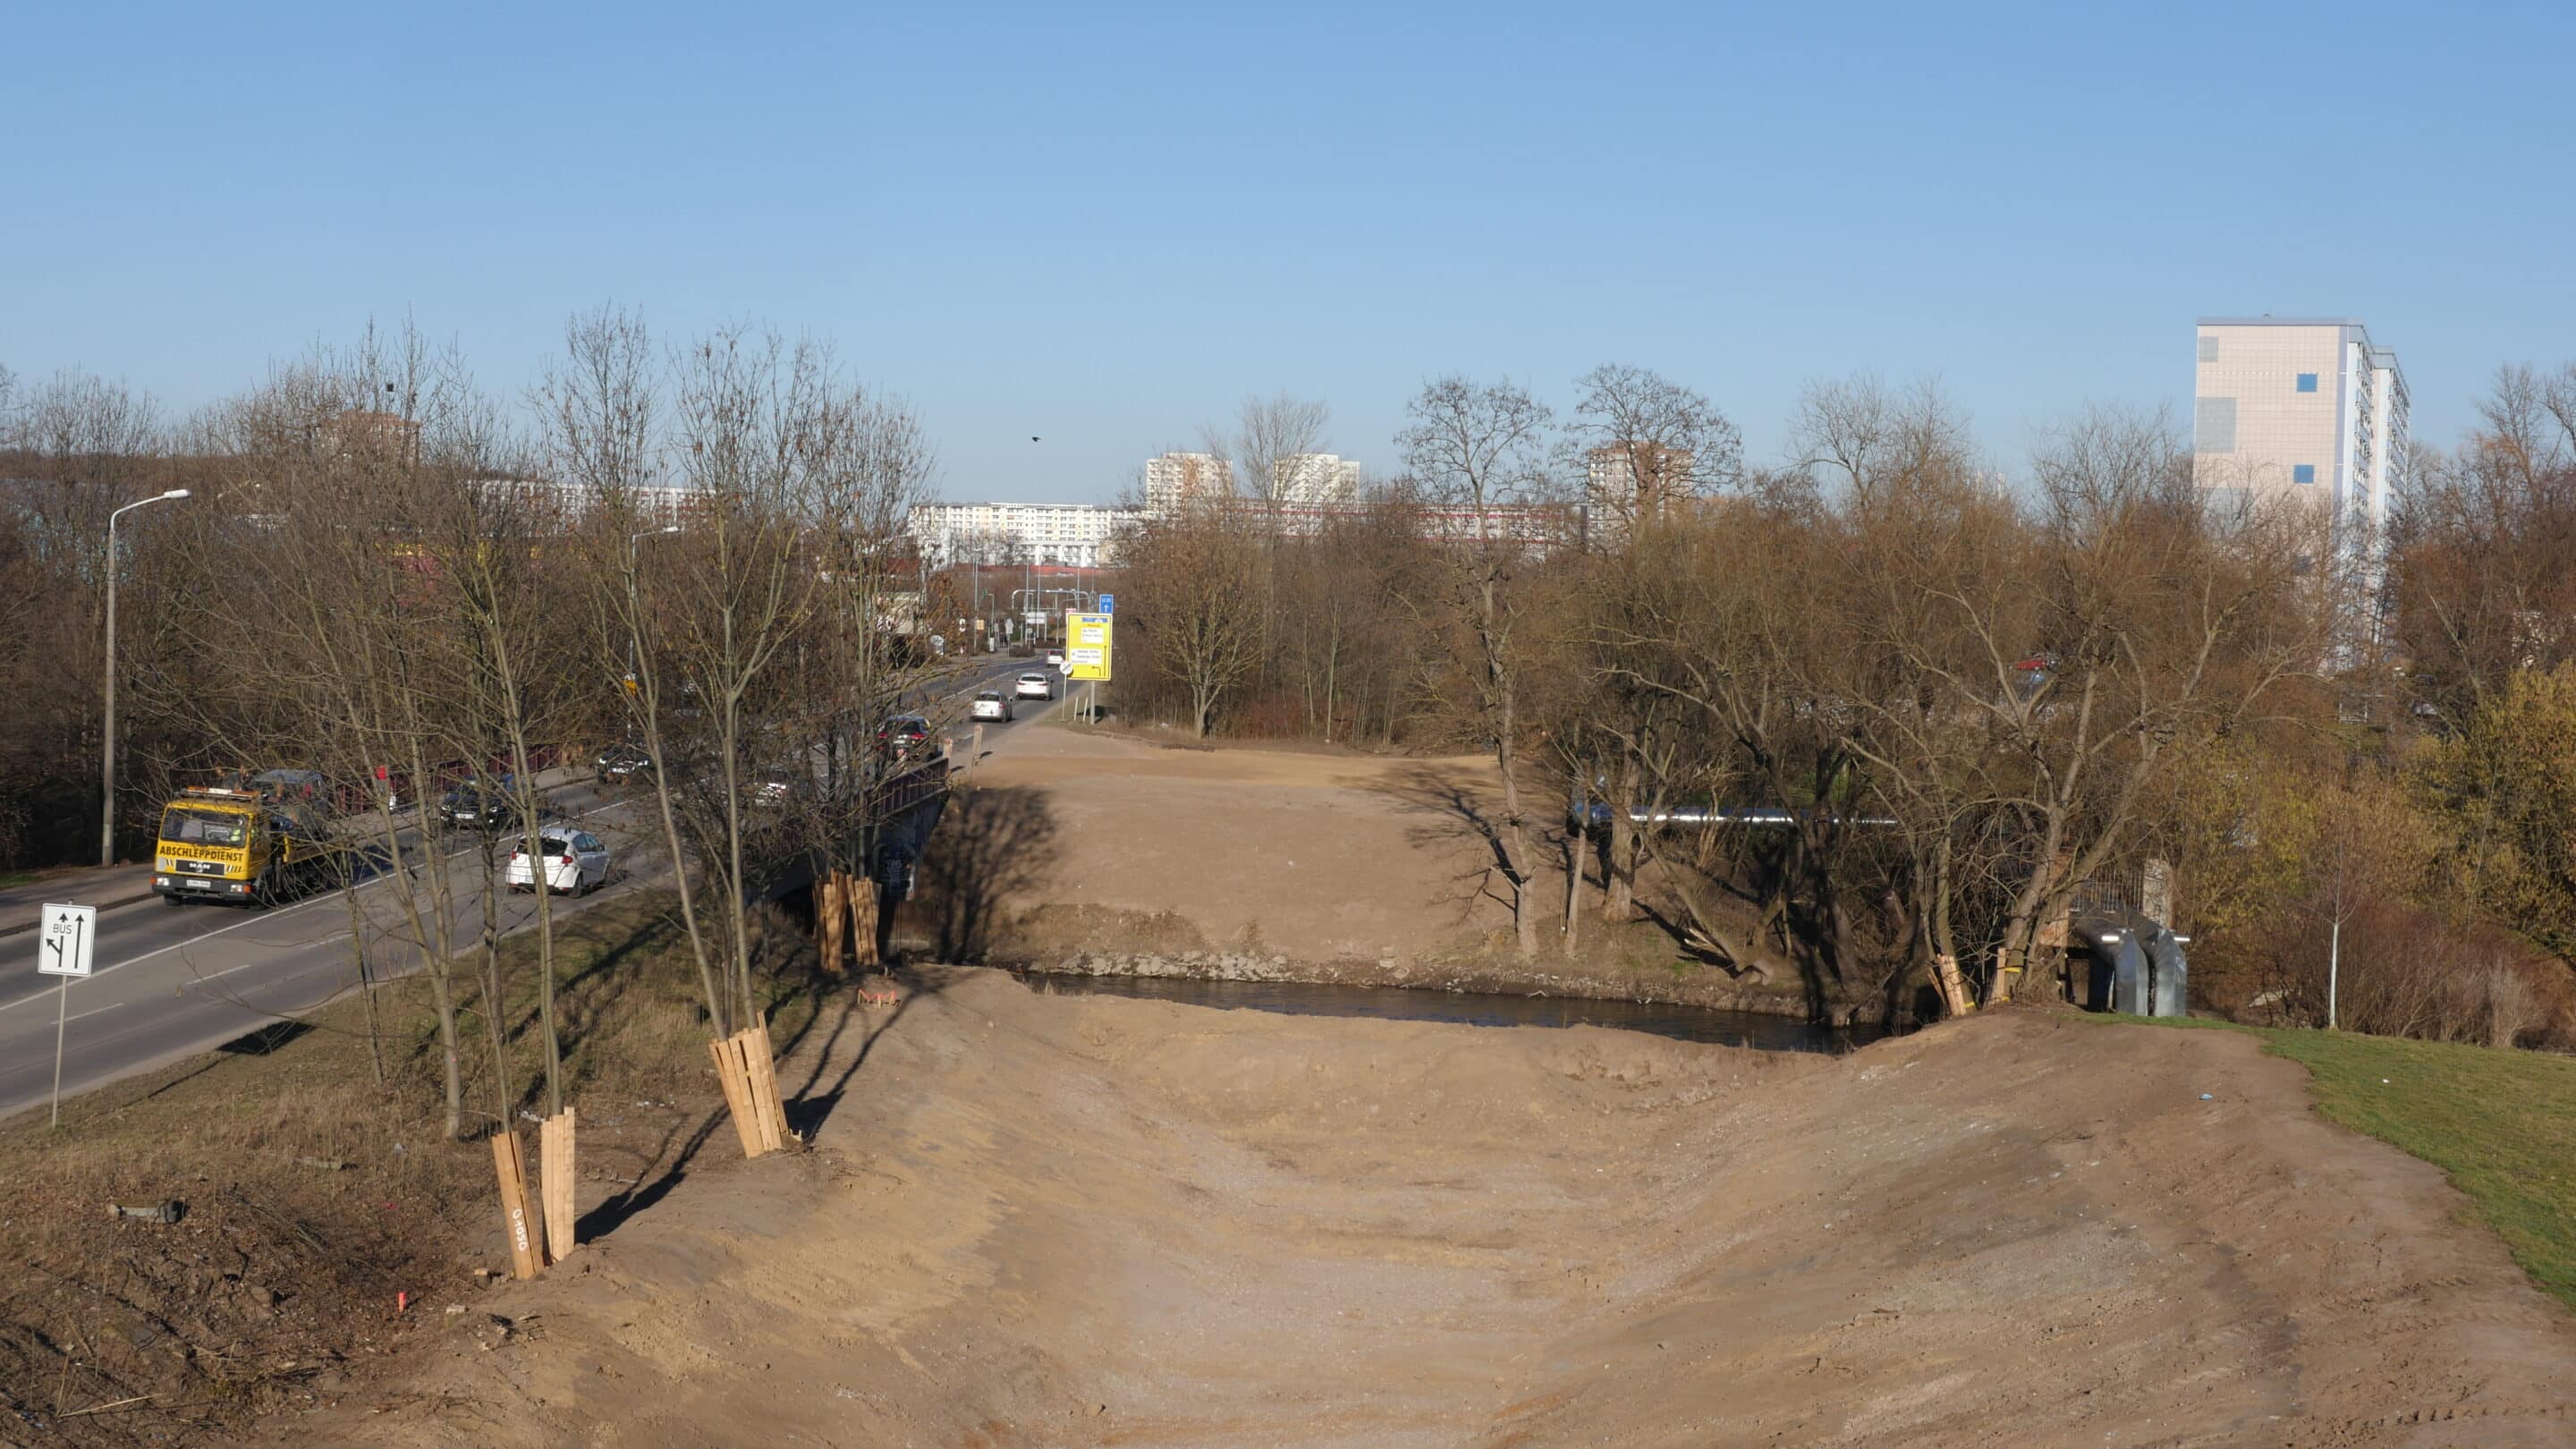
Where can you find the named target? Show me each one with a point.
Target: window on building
(2307, 382)
(2209, 349)
(2303, 473)
(2213, 425)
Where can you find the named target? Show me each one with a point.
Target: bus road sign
(63, 946)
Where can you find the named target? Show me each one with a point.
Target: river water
(1395, 1003)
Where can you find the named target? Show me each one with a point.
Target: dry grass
(313, 1194)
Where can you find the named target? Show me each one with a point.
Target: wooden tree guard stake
(555, 1184)
(765, 1105)
(518, 1214)
(863, 921)
(831, 919)
(751, 1090)
(737, 1092)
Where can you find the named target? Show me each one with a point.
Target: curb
(102, 905)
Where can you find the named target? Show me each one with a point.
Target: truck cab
(242, 846)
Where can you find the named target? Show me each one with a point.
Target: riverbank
(1084, 1220)
(1693, 986)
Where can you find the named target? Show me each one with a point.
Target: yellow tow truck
(239, 845)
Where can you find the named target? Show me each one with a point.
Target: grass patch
(2501, 1124)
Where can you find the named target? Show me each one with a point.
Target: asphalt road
(171, 981)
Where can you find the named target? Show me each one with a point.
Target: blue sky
(1105, 225)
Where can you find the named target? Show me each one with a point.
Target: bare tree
(1195, 605)
(1646, 443)
(1476, 449)
(769, 437)
(1269, 446)
(2045, 673)
(603, 416)
(331, 483)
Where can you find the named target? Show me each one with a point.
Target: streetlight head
(176, 493)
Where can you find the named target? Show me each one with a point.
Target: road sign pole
(63, 950)
(62, 1016)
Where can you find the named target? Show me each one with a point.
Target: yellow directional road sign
(1086, 646)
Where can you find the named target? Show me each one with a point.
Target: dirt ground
(1087, 1221)
(1112, 855)
(1317, 857)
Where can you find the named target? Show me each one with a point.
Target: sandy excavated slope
(1321, 857)
(1064, 1220)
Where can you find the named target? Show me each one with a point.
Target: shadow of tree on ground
(990, 846)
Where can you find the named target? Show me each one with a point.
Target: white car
(1055, 661)
(576, 862)
(1035, 686)
(992, 705)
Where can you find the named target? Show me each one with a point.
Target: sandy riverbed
(1084, 1221)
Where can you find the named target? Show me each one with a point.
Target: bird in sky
(1033, 437)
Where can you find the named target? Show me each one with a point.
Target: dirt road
(1089, 1221)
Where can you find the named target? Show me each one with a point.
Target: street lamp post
(107, 754)
(634, 613)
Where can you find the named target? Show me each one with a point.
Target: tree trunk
(718, 1018)
(1956, 998)
(1576, 846)
(433, 936)
(1516, 846)
(366, 982)
(1619, 871)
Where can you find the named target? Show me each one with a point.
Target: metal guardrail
(1597, 815)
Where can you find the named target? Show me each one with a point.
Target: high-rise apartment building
(1625, 482)
(1176, 479)
(2300, 408)
(1315, 480)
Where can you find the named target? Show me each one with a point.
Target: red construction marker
(402, 1301)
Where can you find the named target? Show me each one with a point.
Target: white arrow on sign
(63, 948)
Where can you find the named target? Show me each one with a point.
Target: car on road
(774, 787)
(621, 764)
(1035, 686)
(902, 734)
(481, 804)
(576, 862)
(992, 704)
(1055, 661)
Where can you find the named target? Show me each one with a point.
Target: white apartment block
(1178, 478)
(1315, 480)
(2300, 408)
(560, 502)
(1079, 535)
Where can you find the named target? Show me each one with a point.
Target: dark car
(620, 764)
(902, 734)
(481, 804)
